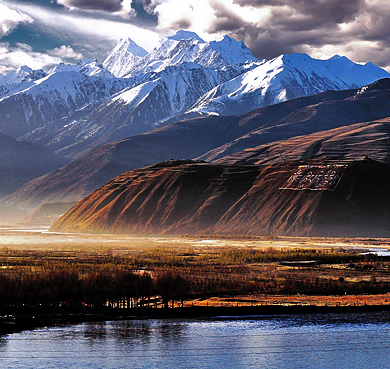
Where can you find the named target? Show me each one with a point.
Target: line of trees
(133, 290)
(121, 289)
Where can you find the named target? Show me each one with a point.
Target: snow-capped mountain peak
(233, 51)
(355, 74)
(128, 45)
(283, 78)
(22, 74)
(184, 47)
(19, 80)
(125, 53)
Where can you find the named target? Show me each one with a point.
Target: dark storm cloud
(291, 25)
(139, 12)
(148, 5)
(308, 14)
(264, 43)
(378, 25)
(183, 23)
(226, 20)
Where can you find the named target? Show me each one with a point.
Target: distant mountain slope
(132, 111)
(363, 105)
(22, 161)
(88, 67)
(368, 139)
(193, 198)
(53, 97)
(85, 174)
(47, 214)
(211, 138)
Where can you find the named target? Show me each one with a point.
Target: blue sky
(41, 33)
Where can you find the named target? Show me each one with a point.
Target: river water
(296, 341)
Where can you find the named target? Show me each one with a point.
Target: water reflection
(310, 341)
(95, 331)
(171, 332)
(131, 332)
(3, 345)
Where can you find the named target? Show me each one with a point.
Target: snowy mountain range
(284, 78)
(128, 59)
(71, 109)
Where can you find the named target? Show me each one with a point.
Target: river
(295, 341)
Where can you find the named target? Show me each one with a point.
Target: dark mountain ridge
(22, 161)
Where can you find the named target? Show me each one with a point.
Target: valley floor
(217, 272)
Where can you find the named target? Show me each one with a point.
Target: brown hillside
(353, 142)
(178, 197)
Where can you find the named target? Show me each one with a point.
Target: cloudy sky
(40, 33)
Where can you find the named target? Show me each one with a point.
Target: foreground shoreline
(32, 318)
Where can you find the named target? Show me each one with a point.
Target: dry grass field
(217, 271)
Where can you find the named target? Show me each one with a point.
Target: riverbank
(29, 319)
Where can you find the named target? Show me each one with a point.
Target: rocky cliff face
(179, 197)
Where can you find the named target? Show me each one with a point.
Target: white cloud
(193, 14)
(66, 52)
(10, 18)
(127, 11)
(13, 58)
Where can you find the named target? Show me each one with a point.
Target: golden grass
(28, 252)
